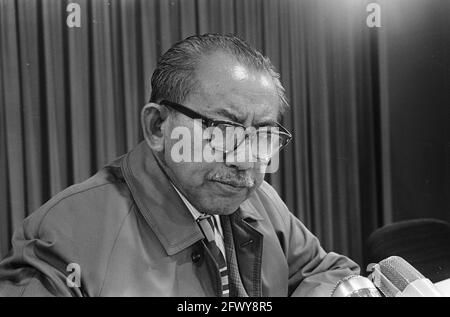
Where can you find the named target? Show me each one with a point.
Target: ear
(153, 117)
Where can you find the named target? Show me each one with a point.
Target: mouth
(239, 182)
(231, 183)
(230, 187)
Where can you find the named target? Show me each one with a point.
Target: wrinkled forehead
(227, 86)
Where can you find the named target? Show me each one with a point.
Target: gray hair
(174, 76)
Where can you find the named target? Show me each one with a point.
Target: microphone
(395, 277)
(355, 286)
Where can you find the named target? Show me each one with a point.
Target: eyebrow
(268, 123)
(234, 117)
(230, 115)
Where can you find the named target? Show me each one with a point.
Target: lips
(232, 183)
(237, 181)
(227, 190)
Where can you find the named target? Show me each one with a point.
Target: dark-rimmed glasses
(227, 136)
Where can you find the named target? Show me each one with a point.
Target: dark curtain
(70, 98)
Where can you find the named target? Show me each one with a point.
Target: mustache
(233, 179)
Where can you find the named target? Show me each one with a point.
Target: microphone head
(395, 277)
(355, 286)
(399, 272)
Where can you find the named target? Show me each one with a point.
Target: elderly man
(152, 224)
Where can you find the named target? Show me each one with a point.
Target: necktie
(210, 230)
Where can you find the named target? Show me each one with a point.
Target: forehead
(226, 85)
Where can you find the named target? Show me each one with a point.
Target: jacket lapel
(249, 246)
(158, 201)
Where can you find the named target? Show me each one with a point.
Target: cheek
(189, 174)
(187, 171)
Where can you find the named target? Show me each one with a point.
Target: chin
(221, 207)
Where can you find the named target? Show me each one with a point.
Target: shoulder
(79, 225)
(82, 206)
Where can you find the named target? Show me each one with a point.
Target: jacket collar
(159, 203)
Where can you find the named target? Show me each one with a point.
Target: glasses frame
(213, 123)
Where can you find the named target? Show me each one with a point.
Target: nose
(242, 158)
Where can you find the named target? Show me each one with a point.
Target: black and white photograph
(225, 149)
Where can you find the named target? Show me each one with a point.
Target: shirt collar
(195, 213)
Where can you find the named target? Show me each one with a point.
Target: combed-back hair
(174, 77)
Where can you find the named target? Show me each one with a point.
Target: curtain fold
(71, 98)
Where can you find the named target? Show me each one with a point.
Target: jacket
(126, 232)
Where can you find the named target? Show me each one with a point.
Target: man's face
(227, 91)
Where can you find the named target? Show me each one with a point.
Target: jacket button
(196, 257)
